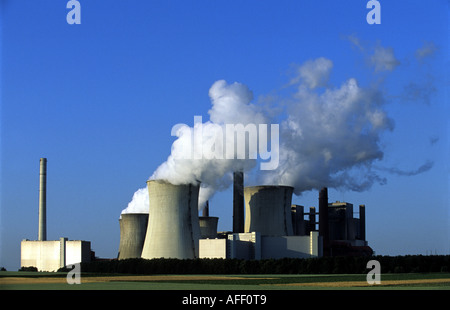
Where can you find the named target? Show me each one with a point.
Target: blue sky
(99, 99)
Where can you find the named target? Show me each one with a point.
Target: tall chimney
(362, 222)
(238, 202)
(323, 217)
(42, 234)
(205, 212)
(312, 219)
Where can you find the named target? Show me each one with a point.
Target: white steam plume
(329, 135)
(231, 104)
(139, 203)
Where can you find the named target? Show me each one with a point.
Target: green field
(57, 281)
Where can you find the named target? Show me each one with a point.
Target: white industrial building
(52, 255)
(255, 246)
(49, 255)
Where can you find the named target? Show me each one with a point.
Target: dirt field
(365, 284)
(41, 280)
(5, 281)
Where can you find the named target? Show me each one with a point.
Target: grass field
(57, 281)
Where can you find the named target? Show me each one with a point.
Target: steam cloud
(231, 104)
(329, 135)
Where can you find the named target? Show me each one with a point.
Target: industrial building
(175, 230)
(50, 255)
(265, 225)
(268, 231)
(270, 227)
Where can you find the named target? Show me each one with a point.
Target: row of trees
(324, 265)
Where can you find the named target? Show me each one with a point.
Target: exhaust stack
(323, 217)
(42, 233)
(238, 202)
(362, 222)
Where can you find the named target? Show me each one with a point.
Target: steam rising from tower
(329, 136)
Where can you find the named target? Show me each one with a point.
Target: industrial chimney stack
(323, 218)
(42, 234)
(238, 202)
(362, 222)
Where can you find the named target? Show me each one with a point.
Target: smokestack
(206, 209)
(42, 234)
(323, 216)
(362, 222)
(312, 219)
(238, 202)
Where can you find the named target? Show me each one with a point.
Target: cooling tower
(42, 230)
(173, 227)
(208, 227)
(268, 210)
(133, 227)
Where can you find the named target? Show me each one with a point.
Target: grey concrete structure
(133, 228)
(208, 227)
(173, 227)
(42, 230)
(268, 210)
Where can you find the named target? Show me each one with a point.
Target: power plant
(274, 227)
(271, 227)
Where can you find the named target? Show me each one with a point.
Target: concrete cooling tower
(133, 227)
(173, 227)
(208, 227)
(268, 210)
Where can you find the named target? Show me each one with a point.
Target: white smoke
(139, 203)
(231, 104)
(329, 135)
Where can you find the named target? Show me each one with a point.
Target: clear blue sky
(99, 99)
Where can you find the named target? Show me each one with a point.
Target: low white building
(255, 246)
(52, 255)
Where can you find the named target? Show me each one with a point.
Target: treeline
(324, 265)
